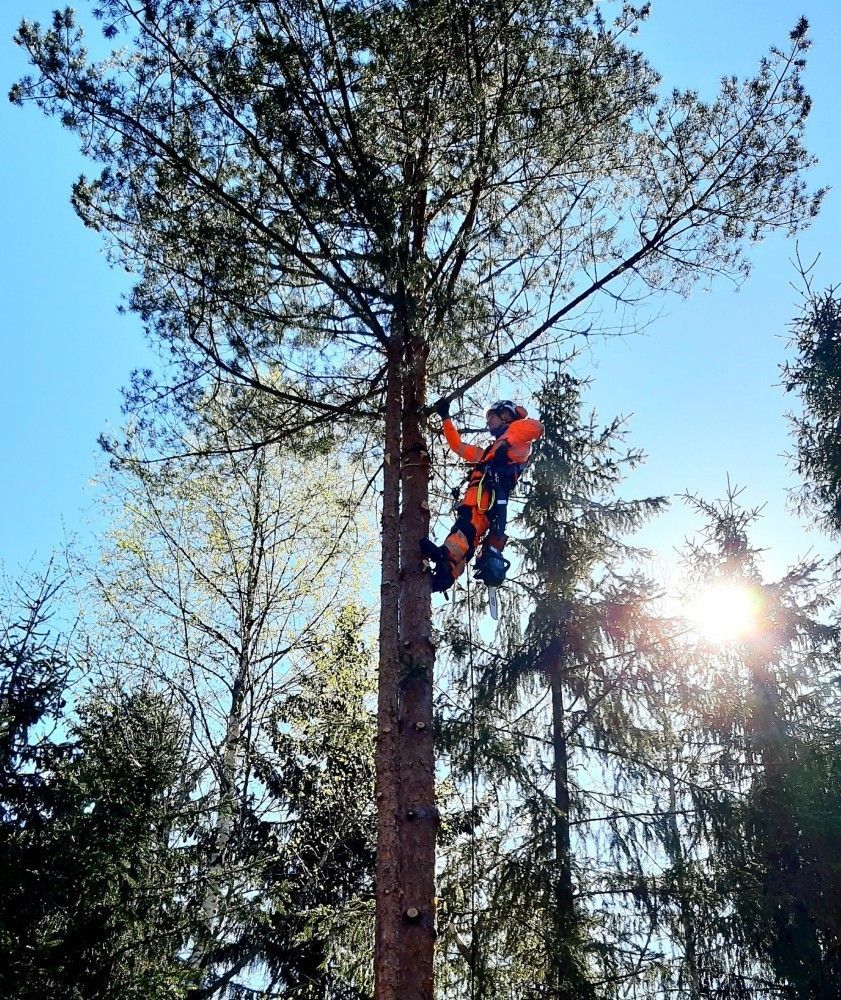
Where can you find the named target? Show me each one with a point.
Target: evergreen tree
(558, 708)
(815, 376)
(33, 678)
(109, 837)
(91, 885)
(800, 809)
(588, 607)
(338, 205)
(769, 811)
(114, 922)
(320, 773)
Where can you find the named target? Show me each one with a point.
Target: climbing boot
(442, 573)
(441, 578)
(435, 553)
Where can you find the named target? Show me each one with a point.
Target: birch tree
(218, 583)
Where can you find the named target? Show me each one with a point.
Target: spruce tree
(588, 614)
(556, 710)
(769, 812)
(91, 883)
(34, 674)
(814, 375)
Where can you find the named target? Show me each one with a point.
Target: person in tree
(484, 507)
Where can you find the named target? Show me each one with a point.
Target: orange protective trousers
(471, 525)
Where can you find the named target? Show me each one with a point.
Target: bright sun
(725, 612)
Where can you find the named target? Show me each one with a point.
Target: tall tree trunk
(563, 915)
(228, 796)
(769, 731)
(677, 855)
(407, 655)
(418, 814)
(388, 867)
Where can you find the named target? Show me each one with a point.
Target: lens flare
(725, 612)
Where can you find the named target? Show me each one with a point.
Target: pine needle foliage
(814, 375)
(288, 181)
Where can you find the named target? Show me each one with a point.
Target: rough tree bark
(388, 871)
(408, 818)
(418, 814)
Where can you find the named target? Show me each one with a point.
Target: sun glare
(726, 612)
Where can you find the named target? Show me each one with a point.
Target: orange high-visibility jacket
(518, 436)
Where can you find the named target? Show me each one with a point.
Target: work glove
(442, 408)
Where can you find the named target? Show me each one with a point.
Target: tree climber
(484, 507)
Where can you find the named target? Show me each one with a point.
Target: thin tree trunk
(231, 750)
(388, 867)
(769, 732)
(678, 859)
(564, 900)
(418, 814)
(228, 767)
(229, 763)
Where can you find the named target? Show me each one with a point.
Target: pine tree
(341, 206)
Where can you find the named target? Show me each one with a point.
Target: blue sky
(700, 384)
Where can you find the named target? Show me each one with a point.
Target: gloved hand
(442, 408)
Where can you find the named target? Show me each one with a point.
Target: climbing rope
(479, 494)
